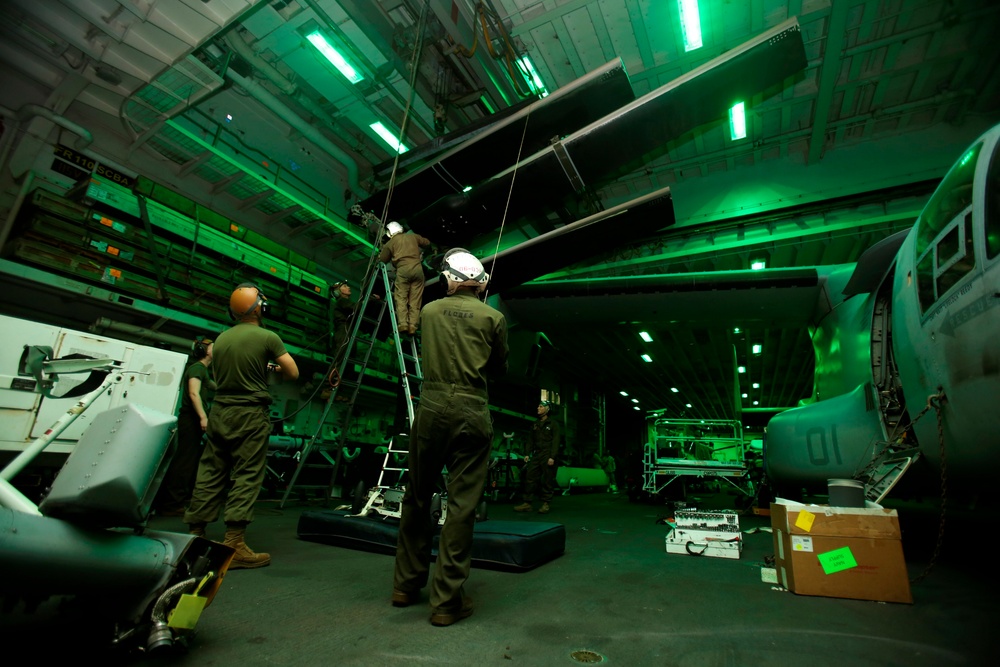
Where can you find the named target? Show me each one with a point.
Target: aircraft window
(991, 223)
(952, 197)
(953, 264)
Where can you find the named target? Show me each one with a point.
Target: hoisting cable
(510, 192)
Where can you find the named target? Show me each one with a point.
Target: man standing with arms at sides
(198, 389)
(464, 340)
(403, 250)
(542, 449)
(239, 424)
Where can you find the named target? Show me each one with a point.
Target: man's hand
(204, 424)
(274, 368)
(552, 462)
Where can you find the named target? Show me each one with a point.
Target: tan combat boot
(245, 558)
(544, 509)
(524, 507)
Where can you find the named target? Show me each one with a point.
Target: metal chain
(935, 401)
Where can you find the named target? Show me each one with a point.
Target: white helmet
(461, 268)
(393, 228)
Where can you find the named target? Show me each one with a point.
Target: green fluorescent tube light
(690, 24)
(635, 400)
(317, 39)
(673, 389)
(741, 369)
(388, 138)
(758, 265)
(757, 348)
(743, 395)
(635, 407)
(534, 81)
(645, 336)
(687, 405)
(647, 358)
(737, 122)
(623, 393)
(756, 385)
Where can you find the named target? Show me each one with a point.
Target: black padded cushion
(505, 545)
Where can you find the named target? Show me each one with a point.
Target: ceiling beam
(829, 73)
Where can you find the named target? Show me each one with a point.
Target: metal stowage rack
(691, 448)
(349, 377)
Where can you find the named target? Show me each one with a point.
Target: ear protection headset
(200, 347)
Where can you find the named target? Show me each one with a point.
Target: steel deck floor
(615, 592)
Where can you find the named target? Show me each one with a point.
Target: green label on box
(837, 560)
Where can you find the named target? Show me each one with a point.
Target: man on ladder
(403, 250)
(464, 339)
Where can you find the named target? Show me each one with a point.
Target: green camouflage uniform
(238, 426)
(463, 340)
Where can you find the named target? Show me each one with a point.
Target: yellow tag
(805, 520)
(188, 610)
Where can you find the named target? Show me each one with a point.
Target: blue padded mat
(505, 545)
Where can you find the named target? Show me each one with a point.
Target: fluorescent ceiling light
(737, 122)
(635, 407)
(687, 405)
(534, 81)
(635, 400)
(645, 336)
(647, 358)
(319, 40)
(757, 348)
(623, 393)
(741, 369)
(758, 265)
(756, 402)
(756, 385)
(388, 137)
(673, 389)
(743, 395)
(690, 24)
(736, 330)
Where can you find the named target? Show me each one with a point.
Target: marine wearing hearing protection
(199, 350)
(245, 300)
(461, 268)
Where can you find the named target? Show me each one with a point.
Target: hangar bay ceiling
(231, 103)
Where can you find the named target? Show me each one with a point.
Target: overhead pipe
(271, 73)
(278, 107)
(29, 111)
(103, 324)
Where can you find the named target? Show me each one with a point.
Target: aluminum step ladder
(346, 382)
(386, 497)
(885, 471)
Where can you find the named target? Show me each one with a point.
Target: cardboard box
(840, 552)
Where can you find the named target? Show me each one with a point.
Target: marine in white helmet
(464, 340)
